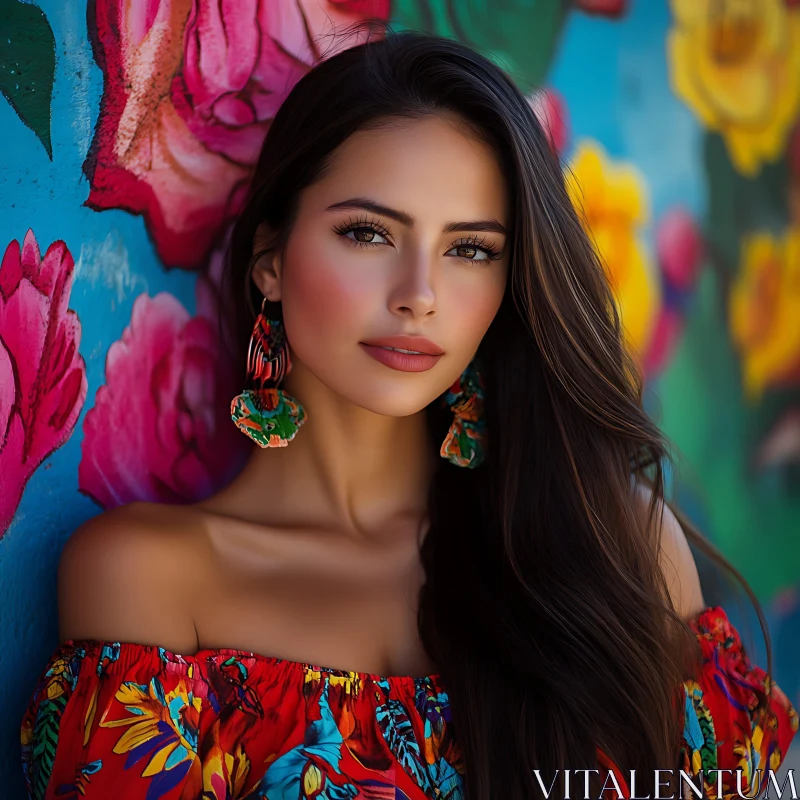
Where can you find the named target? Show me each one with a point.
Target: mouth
(400, 350)
(401, 359)
(407, 343)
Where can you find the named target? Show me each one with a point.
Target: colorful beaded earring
(465, 442)
(269, 416)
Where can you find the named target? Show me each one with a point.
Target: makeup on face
(413, 353)
(398, 253)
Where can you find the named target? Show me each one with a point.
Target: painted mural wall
(129, 132)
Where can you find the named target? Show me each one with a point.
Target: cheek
(474, 307)
(324, 294)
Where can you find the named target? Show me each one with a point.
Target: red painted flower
(551, 111)
(42, 375)
(190, 89)
(680, 252)
(160, 429)
(680, 248)
(606, 8)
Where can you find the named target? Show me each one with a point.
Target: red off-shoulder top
(123, 720)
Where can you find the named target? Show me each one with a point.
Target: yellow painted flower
(350, 681)
(736, 64)
(57, 678)
(26, 733)
(55, 688)
(224, 774)
(312, 780)
(613, 203)
(165, 724)
(765, 309)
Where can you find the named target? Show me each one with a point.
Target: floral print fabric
(725, 728)
(137, 721)
(111, 719)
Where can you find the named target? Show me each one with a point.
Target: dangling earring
(465, 442)
(269, 416)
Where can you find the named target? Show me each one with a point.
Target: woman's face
(404, 235)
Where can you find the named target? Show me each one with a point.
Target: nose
(413, 294)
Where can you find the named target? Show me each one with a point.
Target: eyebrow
(366, 204)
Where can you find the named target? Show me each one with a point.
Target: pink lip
(407, 342)
(405, 362)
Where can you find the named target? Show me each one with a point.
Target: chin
(389, 399)
(396, 404)
(382, 391)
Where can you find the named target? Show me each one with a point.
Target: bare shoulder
(675, 556)
(128, 575)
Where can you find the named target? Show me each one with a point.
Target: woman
(457, 505)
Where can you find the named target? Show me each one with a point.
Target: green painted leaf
(709, 749)
(519, 35)
(27, 65)
(45, 735)
(739, 205)
(712, 427)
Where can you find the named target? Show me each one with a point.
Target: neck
(347, 468)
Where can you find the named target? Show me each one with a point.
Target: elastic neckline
(227, 652)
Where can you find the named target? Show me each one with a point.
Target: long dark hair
(544, 605)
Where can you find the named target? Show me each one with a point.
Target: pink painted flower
(551, 111)
(190, 89)
(42, 375)
(680, 248)
(606, 8)
(160, 429)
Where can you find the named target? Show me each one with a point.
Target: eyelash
(473, 241)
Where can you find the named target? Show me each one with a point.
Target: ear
(266, 272)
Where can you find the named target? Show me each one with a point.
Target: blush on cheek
(323, 299)
(474, 311)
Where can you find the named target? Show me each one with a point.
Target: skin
(311, 554)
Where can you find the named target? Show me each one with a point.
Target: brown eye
(475, 250)
(364, 234)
